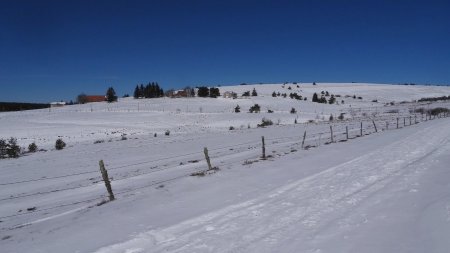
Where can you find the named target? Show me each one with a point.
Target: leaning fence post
(346, 132)
(205, 150)
(331, 131)
(374, 125)
(263, 148)
(106, 180)
(303, 141)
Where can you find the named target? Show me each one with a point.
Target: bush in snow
(255, 108)
(293, 111)
(167, 132)
(3, 146)
(32, 147)
(12, 149)
(60, 144)
(265, 122)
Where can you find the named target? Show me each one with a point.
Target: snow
(385, 192)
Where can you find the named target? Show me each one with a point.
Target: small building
(57, 104)
(179, 94)
(229, 94)
(95, 98)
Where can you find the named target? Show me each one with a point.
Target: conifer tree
(13, 150)
(136, 92)
(111, 95)
(315, 98)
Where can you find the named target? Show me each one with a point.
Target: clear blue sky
(53, 50)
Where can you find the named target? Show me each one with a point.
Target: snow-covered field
(385, 192)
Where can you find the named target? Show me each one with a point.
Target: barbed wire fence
(340, 131)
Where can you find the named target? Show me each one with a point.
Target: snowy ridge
(378, 193)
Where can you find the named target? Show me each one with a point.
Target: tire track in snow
(297, 210)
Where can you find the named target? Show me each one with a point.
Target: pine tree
(315, 98)
(141, 91)
(3, 148)
(111, 95)
(254, 93)
(203, 91)
(214, 92)
(12, 149)
(136, 92)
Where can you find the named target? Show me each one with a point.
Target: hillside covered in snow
(368, 173)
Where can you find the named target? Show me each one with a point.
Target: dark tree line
(208, 92)
(9, 148)
(9, 106)
(151, 90)
(434, 99)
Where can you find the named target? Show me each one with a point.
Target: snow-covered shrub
(32, 147)
(255, 109)
(60, 144)
(265, 122)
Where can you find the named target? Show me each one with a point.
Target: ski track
(295, 211)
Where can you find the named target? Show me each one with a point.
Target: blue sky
(53, 50)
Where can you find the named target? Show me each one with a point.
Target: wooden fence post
(304, 137)
(374, 125)
(387, 125)
(361, 132)
(397, 123)
(404, 121)
(409, 119)
(106, 180)
(331, 131)
(346, 132)
(263, 148)
(205, 150)
(415, 119)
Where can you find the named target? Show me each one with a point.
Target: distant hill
(13, 106)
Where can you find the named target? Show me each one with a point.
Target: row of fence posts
(105, 177)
